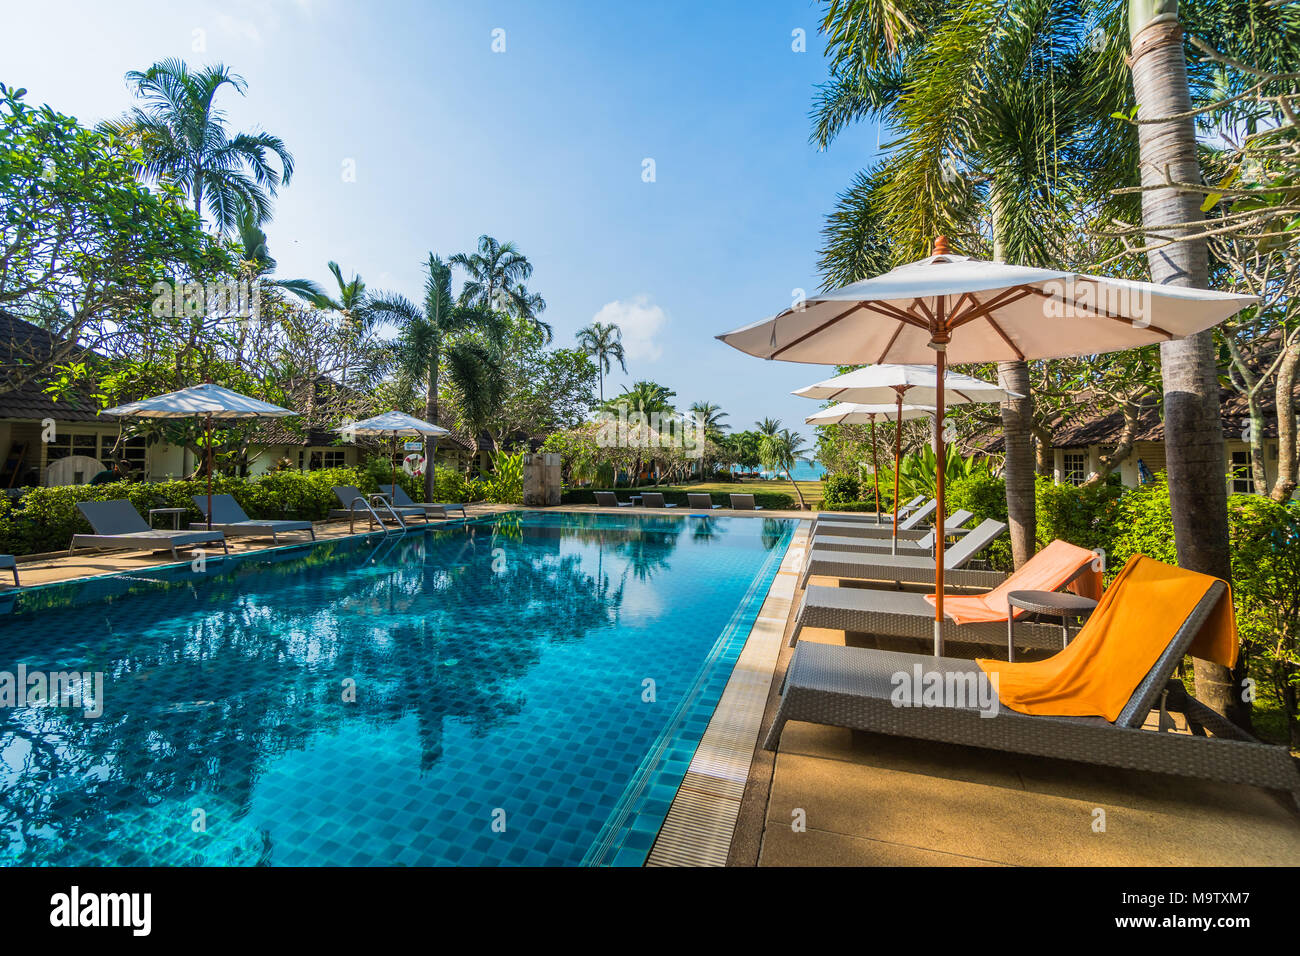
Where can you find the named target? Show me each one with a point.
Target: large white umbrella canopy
(208, 402)
(851, 413)
(395, 425)
(874, 384)
(950, 308)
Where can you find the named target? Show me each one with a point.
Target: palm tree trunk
(1194, 443)
(431, 416)
(1017, 414)
(1285, 484)
(797, 490)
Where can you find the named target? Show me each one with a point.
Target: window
(317, 458)
(1242, 482)
(76, 443)
(1074, 467)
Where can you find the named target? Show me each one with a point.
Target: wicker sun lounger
(349, 496)
(654, 499)
(229, 517)
(910, 568)
(9, 563)
(852, 687)
(607, 499)
(831, 536)
(886, 517)
(913, 529)
(435, 509)
(909, 516)
(701, 500)
(119, 527)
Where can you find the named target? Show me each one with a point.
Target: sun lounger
(848, 523)
(855, 687)
(607, 499)
(229, 517)
(119, 527)
(915, 542)
(434, 509)
(8, 563)
(700, 500)
(910, 568)
(654, 499)
(744, 503)
(909, 614)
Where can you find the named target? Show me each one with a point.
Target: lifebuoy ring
(413, 464)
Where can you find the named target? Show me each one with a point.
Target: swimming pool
(525, 689)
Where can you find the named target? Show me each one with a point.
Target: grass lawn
(812, 490)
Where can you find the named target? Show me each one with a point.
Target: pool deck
(875, 800)
(872, 800)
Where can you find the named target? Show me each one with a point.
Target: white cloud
(641, 323)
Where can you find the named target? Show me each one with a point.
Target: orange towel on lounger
(1049, 569)
(1134, 623)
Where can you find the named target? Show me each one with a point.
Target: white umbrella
(395, 424)
(951, 308)
(206, 401)
(851, 413)
(920, 383)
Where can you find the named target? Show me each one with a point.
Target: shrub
(769, 500)
(840, 489)
(1083, 516)
(1143, 523)
(985, 496)
(505, 485)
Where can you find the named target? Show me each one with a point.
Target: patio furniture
(832, 536)
(701, 500)
(229, 517)
(1052, 604)
(607, 499)
(854, 688)
(981, 619)
(437, 509)
(860, 525)
(654, 499)
(909, 568)
(744, 503)
(119, 527)
(174, 512)
(8, 563)
(874, 519)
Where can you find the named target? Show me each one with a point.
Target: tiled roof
(20, 343)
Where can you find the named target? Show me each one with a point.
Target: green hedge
(45, 519)
(824, 505)
(769, 500)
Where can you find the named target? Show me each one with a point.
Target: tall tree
(494, 271)
(350, 300)
(603, 341)
(1194, 446)
(183, 137)
(779, 452)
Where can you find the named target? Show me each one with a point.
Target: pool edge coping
(702, 820)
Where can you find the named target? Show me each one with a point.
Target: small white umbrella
(920, 383)
(207, 401)
(393, 425)
(949, 308)
(852, 413)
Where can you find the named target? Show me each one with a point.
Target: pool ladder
(374, 515)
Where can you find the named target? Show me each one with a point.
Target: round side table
(1060, 604)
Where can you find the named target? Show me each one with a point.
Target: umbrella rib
(1004, 298)
(1099, 314)
(898, 329)
(1020, 356)
(821, 328)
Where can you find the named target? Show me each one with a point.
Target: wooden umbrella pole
(898, 454)
(875, 465)
(392, 464)
(207, 436)
(940, 360)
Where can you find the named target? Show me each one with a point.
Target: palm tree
(351, 301)
(646, 397)
(183, 137)
(768, 427)
(1193, 429)
(710, 417)
(603, 341)
(255, 260)
(425, 338)
(494, 270)
(780, 450)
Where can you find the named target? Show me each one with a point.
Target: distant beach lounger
(701, 500)
(229, 517)
(854, 688)
(119, 527)
(607, 499)
(910, 568)
(909, 542)
(654, 499)
(437, 509)
(744, 503)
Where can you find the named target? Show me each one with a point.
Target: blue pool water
(498, 675)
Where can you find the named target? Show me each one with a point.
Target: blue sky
(543, 144)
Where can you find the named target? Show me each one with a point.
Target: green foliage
(841, 489)
(451, 485)
(868, 506)
(506, 483)
(1143, 524)
(918, 473)
(768, 500)
(1082, 516)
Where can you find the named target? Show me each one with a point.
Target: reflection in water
(211, 678)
